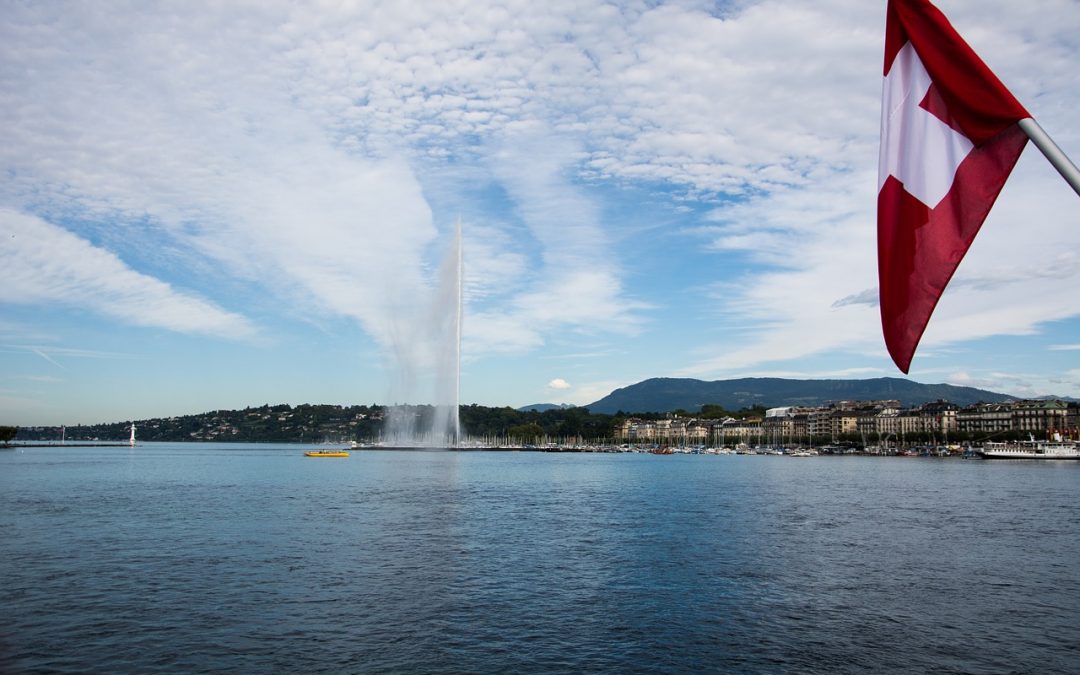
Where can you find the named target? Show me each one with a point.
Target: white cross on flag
(949, 139)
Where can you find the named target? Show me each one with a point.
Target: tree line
(308, 423)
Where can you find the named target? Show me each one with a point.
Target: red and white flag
(949, 140)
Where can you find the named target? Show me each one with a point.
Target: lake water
(213, 558)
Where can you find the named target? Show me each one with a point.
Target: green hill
(664, 394)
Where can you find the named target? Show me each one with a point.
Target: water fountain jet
(433, 346)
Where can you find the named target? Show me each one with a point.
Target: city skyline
(212, 207)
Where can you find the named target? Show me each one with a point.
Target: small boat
(326, 453)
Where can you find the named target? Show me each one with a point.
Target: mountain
(664, 394)
(544, 407)
(1067, 399)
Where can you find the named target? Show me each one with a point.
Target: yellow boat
(326, 453)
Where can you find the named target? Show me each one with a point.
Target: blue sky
(222, 205)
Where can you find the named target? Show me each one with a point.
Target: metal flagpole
(1053, 153)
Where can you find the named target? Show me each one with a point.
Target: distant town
(882, 426)
(865, 424)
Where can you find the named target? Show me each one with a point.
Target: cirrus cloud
(44, 263)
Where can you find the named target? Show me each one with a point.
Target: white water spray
(433, 347)
(458, 244)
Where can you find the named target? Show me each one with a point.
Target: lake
(252, 558)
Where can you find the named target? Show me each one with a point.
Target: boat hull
(326, 453)
(1004, 454)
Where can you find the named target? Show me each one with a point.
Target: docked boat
(326, 453)
(1056, 449)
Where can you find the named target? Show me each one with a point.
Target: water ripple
(181, 559)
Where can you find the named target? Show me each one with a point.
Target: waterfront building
(663, 430)
(800, 420)
(698, 432)
(867, 421)
(912, 421)
(872, 420)
(672, 430)
(635, 430)
(730, 430)
(985, 418)
(887, 422)
(819, 422)
(941, 416)
(1032, 416)
(843, 421)
(779, 424)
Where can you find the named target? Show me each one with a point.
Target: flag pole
(1053, 153)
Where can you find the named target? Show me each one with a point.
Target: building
(731, 430)
(942, 416)
(1040, 416)
(872, 420)
(843, 421)
(985, 418)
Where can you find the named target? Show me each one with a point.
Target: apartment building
(870, 419)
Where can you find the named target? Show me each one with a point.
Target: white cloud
(297, 148)
(816, 239)
(590, 392)
(201, 143)
(699, 98)
(839, 373)
(817, 258)
(283, 149)
(495, 267)
(45, 264)
(45, 379)
(1020, 385)
(558, 383)
(572, 283)
(61, 352)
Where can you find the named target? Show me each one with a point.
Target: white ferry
(1056, 449)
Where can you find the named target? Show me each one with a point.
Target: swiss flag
(949, 139)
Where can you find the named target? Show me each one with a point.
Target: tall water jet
(459, 245)
(429, 352)
(446, 425)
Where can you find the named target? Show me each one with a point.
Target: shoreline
(59, 444)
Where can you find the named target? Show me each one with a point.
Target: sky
(219, 205)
